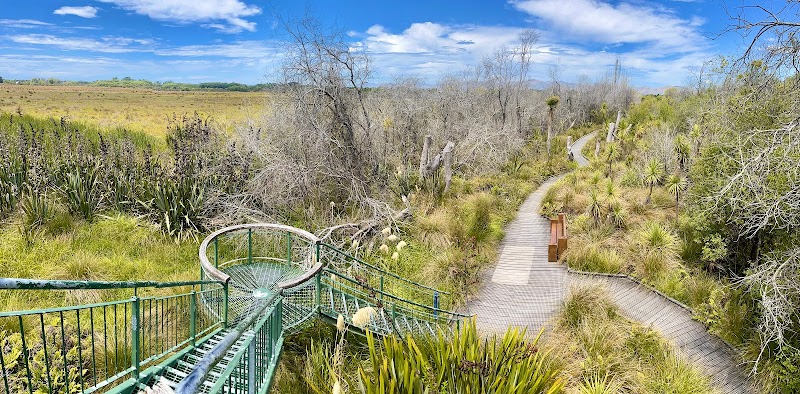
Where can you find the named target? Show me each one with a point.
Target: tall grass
(116, 247)
(600, 352)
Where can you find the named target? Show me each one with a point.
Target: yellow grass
(133, 109)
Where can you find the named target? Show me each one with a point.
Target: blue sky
(658, 42)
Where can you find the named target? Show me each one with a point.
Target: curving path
(525, 290)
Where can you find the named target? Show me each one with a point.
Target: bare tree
(778, 21)
(327, 78)
(551, 102)
(506, 72)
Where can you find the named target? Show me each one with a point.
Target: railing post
(318, 289)
(135, 324)
(381, 294)
(193, 317)
(251, 366)
(277, 325)
(225, 306)
(318, 279)
(435, 304)
(288, 247)
(249, 246)
(216, 252)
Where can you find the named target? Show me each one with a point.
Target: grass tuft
(586, 302)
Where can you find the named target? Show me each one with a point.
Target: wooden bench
(558, 237)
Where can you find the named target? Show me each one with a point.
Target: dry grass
(133, 109)
(597, 348)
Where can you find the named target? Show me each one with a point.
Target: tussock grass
(586, 302)
(593, 257)
(600, 352)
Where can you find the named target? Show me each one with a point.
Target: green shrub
(477, 219)
(595, 178)
(618, 215)
(729, 313)
(579, 224)
(662, 199)
(61, 222)
(40, 362)
(654, 266)
(36, 208)
(568, 197)
(671, 374)
(778, 372)
(551, 195)
(12, 180)
(630, 178)
(177, 206)
(643, 343)
(698, 288)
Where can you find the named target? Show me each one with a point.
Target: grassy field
(133, 109)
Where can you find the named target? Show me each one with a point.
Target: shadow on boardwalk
(525, 290)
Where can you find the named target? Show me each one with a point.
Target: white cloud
(599, 21)
(23, 23)
(238, 49)
(434, 38)
(104, 45)
(83, 12)
(224, 15)
(113, 44)
(430, 50)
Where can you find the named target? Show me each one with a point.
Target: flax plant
(463, 362)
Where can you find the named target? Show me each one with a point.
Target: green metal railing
(252, 368)
(339, 262)
(220, 334)
(337, 289)
(92, 347)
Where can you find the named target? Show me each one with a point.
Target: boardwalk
(525, 290)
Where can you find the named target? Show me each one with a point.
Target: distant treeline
(128, 82)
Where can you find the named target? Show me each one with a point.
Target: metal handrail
(191, 383)
(396, 298)
(38, 284)
(382, 271)
(144, 346)
(214, 272)
(130, 337)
